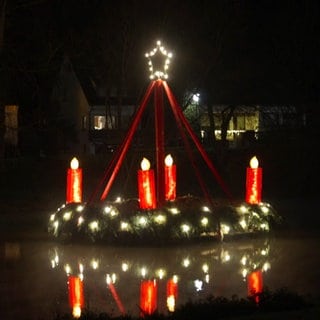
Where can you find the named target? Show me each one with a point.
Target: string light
(159, 61)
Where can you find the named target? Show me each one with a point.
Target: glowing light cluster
(200, 265)
(159, 61)
(185, 218)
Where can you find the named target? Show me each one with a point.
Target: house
(251, 124)
(91, 117)
(99, 123)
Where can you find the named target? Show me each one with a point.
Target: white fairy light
(159, 60)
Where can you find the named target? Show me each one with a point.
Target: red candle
(146, 186)
(255, 284)
(76, 298)
(148, 296)
(170, 179)
(172, 294)
(254, 182)
(74, 182)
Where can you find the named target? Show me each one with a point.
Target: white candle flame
(74, 164)
(254, 163)
(168, 160)
(145, 164)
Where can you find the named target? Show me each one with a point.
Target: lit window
(84, 123)
(99, 122)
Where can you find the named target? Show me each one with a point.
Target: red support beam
(174, 104)
(159, 143)
(127, 141)
(159, 87)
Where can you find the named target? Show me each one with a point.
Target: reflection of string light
(255, 259)
(67, 269)
(160, 273)
(244, 273)
(243, 260)
(108, 278)
(76, 311)
(55, 260)
(205, 268)
(94, 264)
(225, 256)
(125, 266)
(111, 279)
(266, 266)
(186, 262)
(198, 285)
(143, 271)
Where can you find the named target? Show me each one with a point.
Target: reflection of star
(159, 60)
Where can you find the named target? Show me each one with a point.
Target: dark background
(233, 52)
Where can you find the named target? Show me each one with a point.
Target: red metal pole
(127, 141)
(190, 154)
(159, 143)
(174, 104)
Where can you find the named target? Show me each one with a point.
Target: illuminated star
(159, 60)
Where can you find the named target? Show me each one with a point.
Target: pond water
(36, 274)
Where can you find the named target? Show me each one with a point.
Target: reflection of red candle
(148, 296)
(74, 182)
(172, 294)
(254, 182)
(146, 186)
(76, 298)
(170, 178)
(255, 284)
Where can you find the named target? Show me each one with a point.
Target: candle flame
(145, 164)
(254, 163)
(74, 164)
(168, 160)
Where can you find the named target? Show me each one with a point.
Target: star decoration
(159, 60)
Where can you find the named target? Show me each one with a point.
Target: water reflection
(42, 278)
(122, 280)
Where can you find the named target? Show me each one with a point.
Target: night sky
(237, 52)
